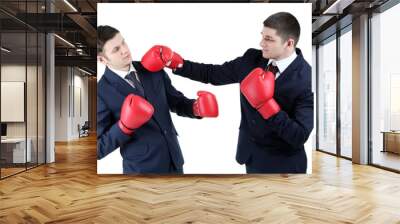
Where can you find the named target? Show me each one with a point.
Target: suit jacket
(275, 145)
(154, 146)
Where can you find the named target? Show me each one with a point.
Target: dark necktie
(132, 77)
(272, 68)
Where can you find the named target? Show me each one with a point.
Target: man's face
(116, 53)
(273, 47)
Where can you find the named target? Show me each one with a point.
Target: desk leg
(384, 142)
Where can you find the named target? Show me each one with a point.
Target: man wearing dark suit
(276, 97)
(133, 109)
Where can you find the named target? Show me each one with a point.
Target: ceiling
(76, 20)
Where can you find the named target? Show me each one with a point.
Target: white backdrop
(207, 33)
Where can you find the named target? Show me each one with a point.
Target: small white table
(18, 152)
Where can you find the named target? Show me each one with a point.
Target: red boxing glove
(135, 112)
(176, 61)
(206, 105)
(258, 88)
(160, 56)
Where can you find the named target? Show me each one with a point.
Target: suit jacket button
(253, 139)
(165, 131)
(253, 121)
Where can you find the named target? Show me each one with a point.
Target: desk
(391, 141)
(13, 150)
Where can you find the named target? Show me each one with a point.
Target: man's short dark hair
(285, 24)
(104, 33)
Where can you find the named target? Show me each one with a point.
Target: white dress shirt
(122, 74)
(283, 63)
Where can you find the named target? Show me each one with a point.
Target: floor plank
(70, 191)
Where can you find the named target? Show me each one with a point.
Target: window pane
(327, 97)
(31, 97)
(41, 98)
(346, 94)
(13, 86)
(385, 83)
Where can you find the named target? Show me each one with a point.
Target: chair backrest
(86, 125)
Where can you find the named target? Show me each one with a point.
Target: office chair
(84, 130)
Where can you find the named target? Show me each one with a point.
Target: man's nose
(262, 43)
(125, 50)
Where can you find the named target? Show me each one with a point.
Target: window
(385, 89)
(346, 93)
(22, 76)
(327, 96)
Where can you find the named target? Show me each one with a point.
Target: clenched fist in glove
(160, 56)
(206, 105)
(258, 88)
(135, 112)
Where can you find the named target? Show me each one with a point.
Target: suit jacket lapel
(120, 84)
(286, 75)
(149, 83)
(147, 79)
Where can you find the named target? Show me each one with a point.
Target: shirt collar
(284, 63)
(121, 73)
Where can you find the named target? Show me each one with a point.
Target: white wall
(33, 125)
(12, 73)
(80, 84)
(68, 81)
(61, 103)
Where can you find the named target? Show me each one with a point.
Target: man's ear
(101, 59)
(290, 42)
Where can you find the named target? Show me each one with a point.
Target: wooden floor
(387, 159)
(70, 191)
(10, 171)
